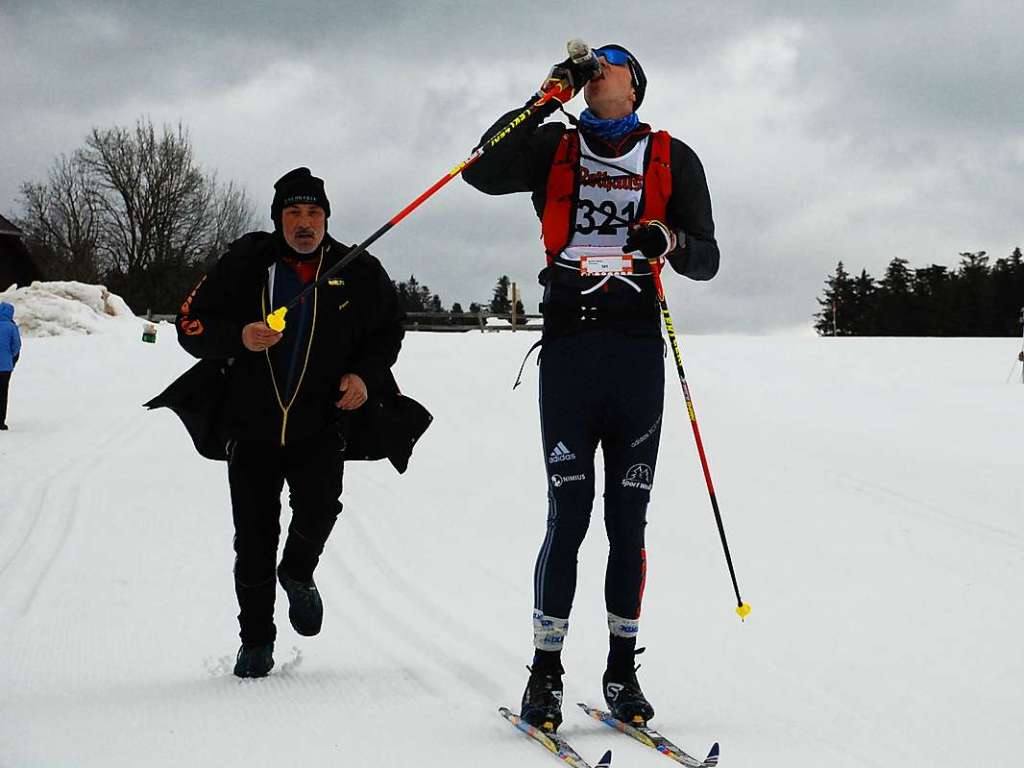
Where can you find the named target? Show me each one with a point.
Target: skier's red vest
(563, 184)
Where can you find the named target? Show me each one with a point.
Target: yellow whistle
(743, 610)
(275, 320)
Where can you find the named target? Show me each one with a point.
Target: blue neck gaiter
(608, 129)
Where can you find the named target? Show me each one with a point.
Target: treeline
(414, 296)
(975, 299)
(132, 209)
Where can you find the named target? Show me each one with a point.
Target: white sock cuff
(620, 627)
(549, 632)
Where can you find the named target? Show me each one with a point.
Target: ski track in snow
(876, 637)
(54, 506)
(413, 636)
(910, 505)
(443, 620)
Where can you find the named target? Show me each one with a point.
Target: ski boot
(305, 608)
(623, 696)
(542, 699)
(254, 660)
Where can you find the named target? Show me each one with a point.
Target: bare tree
(232, 216)
(136, 208)
(61, 221)
(154, 197)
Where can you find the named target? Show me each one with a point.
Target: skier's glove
(568, 78)
(652, 238)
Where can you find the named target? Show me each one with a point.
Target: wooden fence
(485, 322)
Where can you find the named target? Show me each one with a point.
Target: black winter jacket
(356, 328)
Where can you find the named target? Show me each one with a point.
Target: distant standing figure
(10, 349)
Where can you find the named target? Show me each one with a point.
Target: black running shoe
(625, 700)
(305, 608)
(254, 660)
(542, 699)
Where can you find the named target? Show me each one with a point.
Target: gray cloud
(827, 131)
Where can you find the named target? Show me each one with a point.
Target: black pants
(257, 473)
(5, 383)
(608, 388)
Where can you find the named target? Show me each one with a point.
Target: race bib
(593, 265)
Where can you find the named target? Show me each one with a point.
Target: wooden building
(16, 263)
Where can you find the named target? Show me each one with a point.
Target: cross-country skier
(612, 196)
(283, 417)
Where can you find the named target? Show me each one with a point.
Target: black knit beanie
(298, 187)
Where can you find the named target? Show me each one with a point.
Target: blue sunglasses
(612, 56)
(617, 58)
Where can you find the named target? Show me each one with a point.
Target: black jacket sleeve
(378, 348)
(689, 214)
(205, 326)
(521, 160)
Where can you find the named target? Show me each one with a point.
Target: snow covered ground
(872, 491)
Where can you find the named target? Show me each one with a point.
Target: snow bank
(58, 308)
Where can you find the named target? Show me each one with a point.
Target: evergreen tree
(458, 310)
(1007, 294)
(894, 301)
(862, 318)
(1016, 266)
(404, 299)
(973, 296)
(933, 291)
(425, 299)
(501, 303)
(838, 298)
(414, 296)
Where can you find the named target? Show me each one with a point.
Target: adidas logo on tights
(560, 453)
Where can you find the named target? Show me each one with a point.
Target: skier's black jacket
(521, 161)
(356, 328)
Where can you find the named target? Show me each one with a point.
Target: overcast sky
(827, 130)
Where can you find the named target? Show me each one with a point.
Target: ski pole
(743, 609)
(578, 50)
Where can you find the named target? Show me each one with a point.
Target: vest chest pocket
(337, 295)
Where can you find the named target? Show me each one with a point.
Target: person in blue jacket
(10, 349)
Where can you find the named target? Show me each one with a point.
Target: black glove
(14, 362)
(572, 75)
(652, 238)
